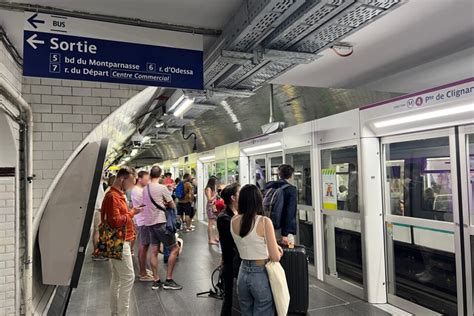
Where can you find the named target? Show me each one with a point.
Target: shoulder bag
(111, 240)
(170, 214)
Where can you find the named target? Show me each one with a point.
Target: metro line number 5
(55, 58)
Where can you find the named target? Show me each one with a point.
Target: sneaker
(156, 285)
(146, 278)
(172, 285)
(99, 258)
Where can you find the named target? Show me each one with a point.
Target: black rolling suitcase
(295, 263)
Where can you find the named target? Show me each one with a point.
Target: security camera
(136, 143)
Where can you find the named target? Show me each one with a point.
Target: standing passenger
(168, 181)
(115, 212)
(211, 194)
(254, 236)
(143, 234)
(230, 254)
(287, 224)
(185, 202)
(155, 220)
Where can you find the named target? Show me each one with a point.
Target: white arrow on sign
(33, 41)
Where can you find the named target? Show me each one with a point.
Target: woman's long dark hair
(250, 205)
(211, 183)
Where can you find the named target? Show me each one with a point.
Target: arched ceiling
(236, 119)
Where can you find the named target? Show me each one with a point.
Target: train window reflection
(419, 179)
(339, 176)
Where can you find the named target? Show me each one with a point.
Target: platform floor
(193, 271)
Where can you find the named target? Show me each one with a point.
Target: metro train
(385, 206)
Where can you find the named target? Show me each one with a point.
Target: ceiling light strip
(262, 147)
(426, 116)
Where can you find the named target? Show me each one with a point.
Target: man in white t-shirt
(155, 220)
(142, 231)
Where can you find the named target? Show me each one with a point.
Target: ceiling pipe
(183, 133)
(27, 116)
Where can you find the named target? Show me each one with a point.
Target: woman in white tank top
(255, 239)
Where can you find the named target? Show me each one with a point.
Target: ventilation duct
(268, 38)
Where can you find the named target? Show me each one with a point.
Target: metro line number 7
(55, 68)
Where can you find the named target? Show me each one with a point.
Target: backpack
(179, 191)
(273, 203)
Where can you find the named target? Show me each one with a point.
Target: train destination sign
(77, 49)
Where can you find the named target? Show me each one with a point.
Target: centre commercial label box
(69, 48)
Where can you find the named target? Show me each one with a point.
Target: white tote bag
(281, 294)
(277, 278)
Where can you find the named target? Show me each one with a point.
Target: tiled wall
(7, 246)
(65, 111)
(9, 208)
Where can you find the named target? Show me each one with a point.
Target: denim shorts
(253, 286)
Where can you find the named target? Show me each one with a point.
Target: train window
(418, 177)
(302, 176)
(220, 172)
(339, 175)
(275, 162)
(260, 173)
(232, 171)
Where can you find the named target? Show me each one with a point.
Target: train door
(300, 159)
(341, 216)
(466, 159)
(426, 197)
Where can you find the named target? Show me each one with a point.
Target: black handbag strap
(153, 201)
